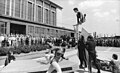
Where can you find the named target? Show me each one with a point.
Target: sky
(103, 16)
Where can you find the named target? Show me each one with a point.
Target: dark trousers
(82, 58)
(92, 58)
(8, 59)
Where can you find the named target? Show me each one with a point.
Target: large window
(12, 7)
(46, 16)
(30, 29)
(52, 31)
(39, 14)
(30, 11)
(42, 30)
(33, 8)
(46, 13)
(17, 8)
(49, 16)
(2, 6)
(8, 7)
(37, 30)
(3, 27)
(53, 15)
(53, 18)
(39, 10)
(23, 9)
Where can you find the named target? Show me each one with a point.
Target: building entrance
(17, 29)
(72, 35)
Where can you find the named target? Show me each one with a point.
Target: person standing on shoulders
(80, 16)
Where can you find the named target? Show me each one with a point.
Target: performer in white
(53, 57)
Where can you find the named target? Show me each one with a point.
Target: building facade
(33, 17)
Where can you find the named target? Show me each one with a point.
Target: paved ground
(75, 59)
(33, 65)
(30, 64)
(23, 56)
(105, 53)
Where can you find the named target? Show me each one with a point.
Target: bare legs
(55, 65)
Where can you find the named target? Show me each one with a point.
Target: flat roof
(55, 4)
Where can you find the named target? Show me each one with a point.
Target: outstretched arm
(64, 57)
(48, 58)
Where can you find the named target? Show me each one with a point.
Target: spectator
(27, 40)
(9, 57)
(90, 44)
(115, 64)
(81, 52)
(1, 39)
(5, 42)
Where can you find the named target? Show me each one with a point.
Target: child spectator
(10, 57)
(115, 64)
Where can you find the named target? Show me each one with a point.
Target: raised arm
(64, 57)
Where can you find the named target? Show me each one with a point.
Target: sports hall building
(34, 17)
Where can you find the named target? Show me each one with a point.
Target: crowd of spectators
(109, 42)
(20, 39)
(16, 40)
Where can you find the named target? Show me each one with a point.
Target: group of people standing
(86, 50)
(17, 39)
(83, 48)
(88, 46)
(87, 56)
(108, 41)
(57, 53)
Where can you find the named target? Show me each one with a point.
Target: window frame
(4, 27)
